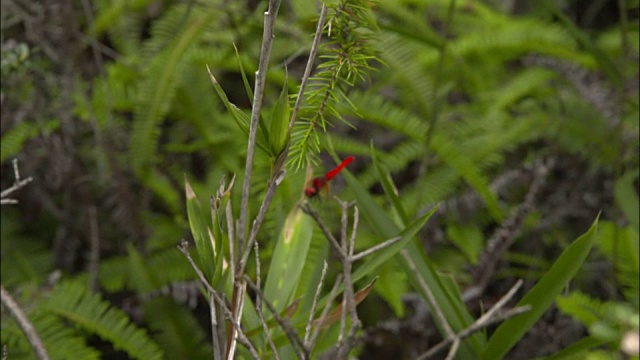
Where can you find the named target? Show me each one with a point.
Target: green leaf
(468, 238)
(72, 301)
(389, 187)
(241, 118)
(542, 295)
(451, 304)
(581, 307)
(576, 350)
(468, 170)
(14, 139)
(245, 80)
(288, 259)
(279, 130)
(607, 64)
(157, 90)
(627, 198)
(376, 259)
(202, 235)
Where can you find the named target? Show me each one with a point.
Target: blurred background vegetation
(108, 105)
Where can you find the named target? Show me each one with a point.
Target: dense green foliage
(491, 125)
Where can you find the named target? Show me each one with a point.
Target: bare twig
(373, 249)
(271, 190)
(259, 299)
(430, 297)
(261, 75)
(217, 351)
(230, 233)
(294, 339)
(17, 184)
(310, 61)
(183, 247)
(241, 289)
(504, 236)
(325, 312)
(237, 302)
(307, 332)
(494, 315)
(349, 302)
(325, 230)
(24, 323)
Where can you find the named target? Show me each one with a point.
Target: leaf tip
(188, 189)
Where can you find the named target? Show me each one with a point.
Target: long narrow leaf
(288, 259)
(452, 306)
(542, 295)
(201, 233)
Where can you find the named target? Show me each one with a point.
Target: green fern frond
(451, 154)
(376, 109)
(73, 302)
(620, 245)
(23, 260)
(439, 183)
(346, 58)
(393, 160)
(165, 30)
(582, 307)
(414, 84)
(14, 139)
(161, 77)
(519, 37)
(109, 12)
(60, 341)
(176, 330)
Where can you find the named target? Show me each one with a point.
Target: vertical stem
(261, 75)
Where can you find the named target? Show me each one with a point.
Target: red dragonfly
(317, 184)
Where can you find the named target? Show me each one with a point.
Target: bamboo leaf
(451, 304)
(627, 198)
(202, 235)
(542, 295)
(241, 118)
(288, 258)
(279, 130)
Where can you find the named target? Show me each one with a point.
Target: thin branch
(373, 249)
(24, 323)
(217, 351)
(183, 247)
(325, 230)
(504, 236)
(294, 339)
(241, 288)
(261, 75)
(430, 297)
(17, 184)
(325, 311)
(502, 302)
(314, 304)
(494, 315)
(230, 232)
(271, 190)
(310, 61)
(349, 302)
(265, 326)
